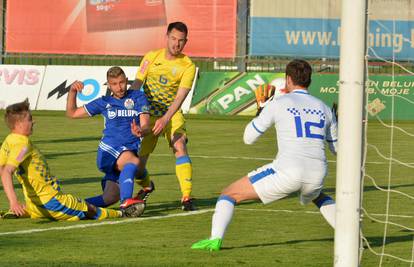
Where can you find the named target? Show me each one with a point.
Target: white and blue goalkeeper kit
(303, 124)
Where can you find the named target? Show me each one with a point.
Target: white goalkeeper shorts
(271, 184)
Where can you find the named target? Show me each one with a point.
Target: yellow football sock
(108, 213)
(184, 172)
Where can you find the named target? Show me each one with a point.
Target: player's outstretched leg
(104, 213)
(132, 207)
(221, 218)
(97, 213)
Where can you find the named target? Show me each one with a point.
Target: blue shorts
(108, 155)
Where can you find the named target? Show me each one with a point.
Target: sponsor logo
(163, 79)
(90, 91)
(128, 181)
(111, 114)
(19, 76)
(129, 103)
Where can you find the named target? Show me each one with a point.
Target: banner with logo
(381, 92)
(18, 82)
(229, 93)
(118, 27)
(312, 29)
(58, 79)
(232, 93)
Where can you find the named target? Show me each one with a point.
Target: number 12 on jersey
(309, 126)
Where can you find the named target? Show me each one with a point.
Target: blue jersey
(118, 115)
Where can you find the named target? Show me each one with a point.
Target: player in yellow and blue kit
(167, 76)
(118, 148)
(42, 193)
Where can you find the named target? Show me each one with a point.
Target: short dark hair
(179, 26)
(300, 72)
(16, 112)
(115, 72)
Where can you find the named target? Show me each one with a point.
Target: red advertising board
(119, 27)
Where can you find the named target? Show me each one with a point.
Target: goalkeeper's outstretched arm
(251, 134)
(259, 125)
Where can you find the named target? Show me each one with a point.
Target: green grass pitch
(283, 233)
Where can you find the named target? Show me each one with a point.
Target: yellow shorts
(62, 207)
(175, 126)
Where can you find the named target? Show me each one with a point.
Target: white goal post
(351, 98)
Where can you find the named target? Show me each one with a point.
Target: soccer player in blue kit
(118, 148)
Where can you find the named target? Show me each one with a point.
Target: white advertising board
(18, 82)
(58, 79)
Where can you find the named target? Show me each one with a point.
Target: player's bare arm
(175, 105)
(144, 128)
(72, 111)
(6, 178)
(136, 85)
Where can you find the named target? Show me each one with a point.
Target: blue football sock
(97, 201)
(126, 181)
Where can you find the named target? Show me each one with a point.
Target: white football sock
(222, 216)
(328, 211)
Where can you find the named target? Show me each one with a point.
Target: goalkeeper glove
(264, 94)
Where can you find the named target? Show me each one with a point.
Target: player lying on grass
(43, 195)
(118, 148)
(302, 123)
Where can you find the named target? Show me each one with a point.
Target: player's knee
(228, 192)
(180, 150)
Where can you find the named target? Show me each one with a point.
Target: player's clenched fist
(76, 86)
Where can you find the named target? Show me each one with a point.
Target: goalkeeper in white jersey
(303, 123)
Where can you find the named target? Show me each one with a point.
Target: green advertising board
(232, 93)
(229, 93)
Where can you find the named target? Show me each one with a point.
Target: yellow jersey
(32, 171)
(163, 77)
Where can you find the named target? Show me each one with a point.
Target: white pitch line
(317, 212)
(219, 157)
(89, 225)
(253, 158)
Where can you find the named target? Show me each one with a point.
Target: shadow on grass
(376, 241)
(158, 209)
(68, 140)
(280, 243)
(60, 154)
